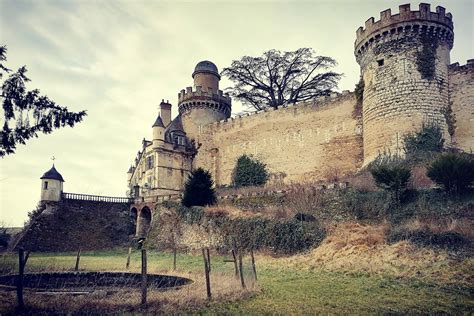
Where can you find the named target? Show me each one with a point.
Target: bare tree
(279, 78)
(29, 112)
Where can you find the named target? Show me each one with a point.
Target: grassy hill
(73, 225)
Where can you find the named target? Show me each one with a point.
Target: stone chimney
(165, 112)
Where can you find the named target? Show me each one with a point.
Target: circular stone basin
(89, 282)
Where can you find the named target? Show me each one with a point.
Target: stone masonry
(408, 80)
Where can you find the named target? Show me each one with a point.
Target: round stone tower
(404, 62)
(205, 103)
(51, 185)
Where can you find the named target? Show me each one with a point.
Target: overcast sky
(117, 60)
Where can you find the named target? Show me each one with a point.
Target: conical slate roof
(158, 122)
(52, 174)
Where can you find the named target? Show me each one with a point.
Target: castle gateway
(408, 78)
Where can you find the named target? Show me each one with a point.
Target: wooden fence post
(144, 277)
(241, 269)
(253, 265)
(127, 265)
(208, 260)
(78, 257)
(174, 258)
(19, 282)
(235, 264)
(206, 272)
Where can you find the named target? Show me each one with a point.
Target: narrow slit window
(46, 185)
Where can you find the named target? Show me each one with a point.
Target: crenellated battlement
(187, 94)
(319, 102)
(456, 67)
(424, 20)
(219, 101)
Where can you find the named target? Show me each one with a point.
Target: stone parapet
(456, 67)
(439, 23)
(199, 98)
(333, 99)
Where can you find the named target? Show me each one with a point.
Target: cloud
(118, 59)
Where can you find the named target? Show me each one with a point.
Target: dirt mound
(355, 248)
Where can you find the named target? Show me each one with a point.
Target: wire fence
(129, 281)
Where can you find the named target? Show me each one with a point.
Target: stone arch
(143, 222)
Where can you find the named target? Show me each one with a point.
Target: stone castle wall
(298, 143)
(461, 93)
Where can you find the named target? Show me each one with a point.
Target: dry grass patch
(356, 248)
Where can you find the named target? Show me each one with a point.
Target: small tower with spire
(51, 185)
(159, 127)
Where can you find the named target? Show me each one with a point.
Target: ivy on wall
(426, 58)
(359, 94)
(450, 120)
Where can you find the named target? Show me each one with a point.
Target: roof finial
(53, 159)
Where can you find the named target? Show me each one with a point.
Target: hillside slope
(73, 225)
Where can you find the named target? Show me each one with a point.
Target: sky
(118, 59)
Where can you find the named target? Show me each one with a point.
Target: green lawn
(287, 290)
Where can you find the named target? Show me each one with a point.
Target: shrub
(4, 237)
(425, 143)
(427, 238)
(362, 205)
(191, 215)
(454, 171)
(198, 190)
(391, 174)
(249, 171)
(294, 236)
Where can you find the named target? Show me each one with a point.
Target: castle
(408, 80)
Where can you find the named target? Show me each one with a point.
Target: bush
(427, 238)
(425, 143)
(362, 205)
(4, 237)
(454, 171)
(198, 190)
(249, 171)
(192, 215)
(391, 174)
(294, 236)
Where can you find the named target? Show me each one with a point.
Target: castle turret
(158, 132)
(206, 103)
(206, 76)
(51, 185)
(404, 62)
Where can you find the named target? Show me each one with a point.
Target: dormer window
(178, 139)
